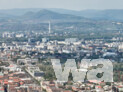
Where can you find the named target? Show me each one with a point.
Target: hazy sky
(67, 4)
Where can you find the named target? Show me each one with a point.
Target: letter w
(70, 66)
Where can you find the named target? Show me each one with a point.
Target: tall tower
(49, 27)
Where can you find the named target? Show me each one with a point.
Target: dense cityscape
(25, 63)
(61, 46)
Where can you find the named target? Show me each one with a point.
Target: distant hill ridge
(50, 15)
(112, 14)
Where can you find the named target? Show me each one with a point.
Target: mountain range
(113, 14)
(47, 15)
(62, 14)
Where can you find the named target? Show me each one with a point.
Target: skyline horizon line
(62, 8)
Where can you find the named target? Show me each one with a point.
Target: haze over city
(65, 4)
